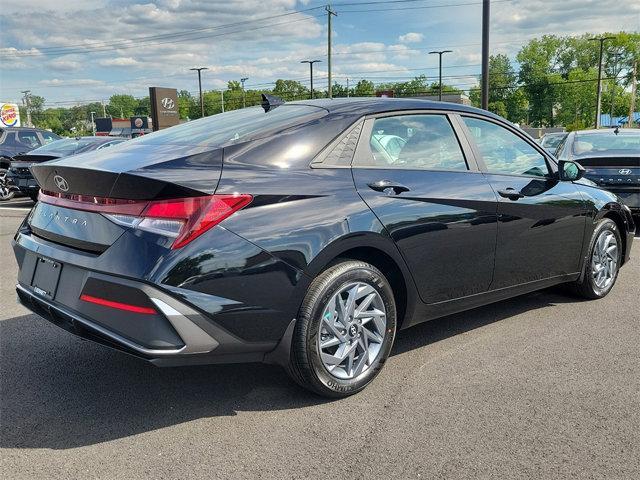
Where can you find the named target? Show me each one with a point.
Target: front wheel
(345, 330)
(603, 263)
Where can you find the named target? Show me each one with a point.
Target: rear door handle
(383, 185)
(510, 193)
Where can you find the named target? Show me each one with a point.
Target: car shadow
(61, 392)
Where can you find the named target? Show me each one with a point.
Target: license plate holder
(46, 277)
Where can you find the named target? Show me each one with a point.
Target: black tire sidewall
(11, 193)
(360, 273)
(604, 225)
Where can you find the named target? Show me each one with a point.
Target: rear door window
(420, 142)
(29, 139)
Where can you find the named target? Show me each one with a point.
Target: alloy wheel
(352, 330)
(604, 261)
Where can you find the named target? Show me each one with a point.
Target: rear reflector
(182, 218)
(118, 305)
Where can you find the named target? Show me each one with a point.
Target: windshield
(551, 141)
(64, 147)
(232, 127)
(623, 142)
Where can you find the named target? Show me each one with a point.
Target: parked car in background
(14, 141)
(611, 158)
(291, 234)
(19, 174)
(550, 141)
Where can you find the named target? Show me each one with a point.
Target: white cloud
(411, 37)
(64, 65)
(118, 62)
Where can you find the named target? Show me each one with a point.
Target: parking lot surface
(540, 386)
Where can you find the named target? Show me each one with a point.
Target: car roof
(607, 131)
(373, 105)
(36, 129)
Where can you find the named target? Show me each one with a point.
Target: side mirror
(569, 171)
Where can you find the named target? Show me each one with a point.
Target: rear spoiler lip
(34, 158)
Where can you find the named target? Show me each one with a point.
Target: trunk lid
(614, 172)
(135, 173)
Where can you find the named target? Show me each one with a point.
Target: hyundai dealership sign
(9, 115)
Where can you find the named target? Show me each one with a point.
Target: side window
(10, 139)
(29, 138)
(504, 152)
(424, 142)
(49, 137)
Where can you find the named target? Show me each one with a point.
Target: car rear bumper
(176, 334)
(25, 182)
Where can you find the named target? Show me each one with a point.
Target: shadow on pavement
(61, 392)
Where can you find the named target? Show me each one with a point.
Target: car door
(421, 181)
(541, 220)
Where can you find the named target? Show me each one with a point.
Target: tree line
(552, 82)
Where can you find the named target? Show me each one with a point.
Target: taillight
(183, 219)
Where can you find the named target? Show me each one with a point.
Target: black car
(611, 158)
(294, 234)
(19, 174)
(14, 141)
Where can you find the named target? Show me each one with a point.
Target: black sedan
(308, 233)
(19, 174)
(611, 158)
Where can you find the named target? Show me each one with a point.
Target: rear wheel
(603, 263)
(34, 195)
(6, 193)
(345, 330)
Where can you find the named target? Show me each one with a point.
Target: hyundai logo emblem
(624, 171)
(168, 103)
(61, 183)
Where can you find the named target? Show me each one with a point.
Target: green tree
(122, 106)
(364, 88)
(290, 90)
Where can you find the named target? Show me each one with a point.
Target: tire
(320, 319)
(601, 270)
(34, 195)
(6, 193)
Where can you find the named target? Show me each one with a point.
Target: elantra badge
(624, 171)
(61, 183)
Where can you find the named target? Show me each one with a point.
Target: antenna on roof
(269, 102)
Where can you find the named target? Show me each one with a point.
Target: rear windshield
(623, 142)
(552, 140)
(233, 127)
(64, 147)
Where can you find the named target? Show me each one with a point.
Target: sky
(78, 51)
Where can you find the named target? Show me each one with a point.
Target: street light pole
(311, 62)
(599, 94)
(93, 124)
(27, 104)
(244, 98)
(486, 7)
(440, 53)
(330, 13)
(199, 70)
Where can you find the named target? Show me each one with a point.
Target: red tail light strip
(120, 306)
(197, 214)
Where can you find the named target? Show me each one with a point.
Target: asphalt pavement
(541, 386)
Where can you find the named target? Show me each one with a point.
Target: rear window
(233, 127)
(623, 142)
(64, 147)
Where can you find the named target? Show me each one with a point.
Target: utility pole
(486, 7)
(440, 53)
(199, 70)
(347, 87)
(26, 100)
(222, 99)
(311, 62)
(330, 13)
(244, 98)
(634, 83)
(93, 124)
(599, 94)
(104, 109)
(615, 72)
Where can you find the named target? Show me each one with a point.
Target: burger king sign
(9, 115)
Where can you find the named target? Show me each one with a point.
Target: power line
(137, 45)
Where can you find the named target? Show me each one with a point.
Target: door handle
(510, 193)
(382, 185)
